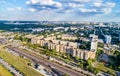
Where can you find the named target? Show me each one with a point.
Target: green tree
(95, 70)
(68, 56)
(65, 75)
(76, 58)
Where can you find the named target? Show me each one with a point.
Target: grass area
(103, 68)
(19, 63)
(4, 72)
(99, 66)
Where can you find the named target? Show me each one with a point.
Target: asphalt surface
(47, 63)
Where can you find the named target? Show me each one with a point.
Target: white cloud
(11, 9)
(14, 8)
(104, 7)
(32, 10)
(71, 6)
(74, 5)
(101, 4)
(87, 10)
(74, 1)
(19, 8)
(44, 3)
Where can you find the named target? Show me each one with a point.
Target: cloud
(14, 8)
(71, 6)
(101, 4)
(44, 4)
(32, 9)
(103, 7)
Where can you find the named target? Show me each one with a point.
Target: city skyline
(61, 10)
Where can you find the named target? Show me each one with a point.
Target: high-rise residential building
(94, 42)
(108, 39)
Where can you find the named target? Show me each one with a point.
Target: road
(45, 63)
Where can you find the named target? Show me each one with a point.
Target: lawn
(19, 63)
(4, 72)
(105, 69)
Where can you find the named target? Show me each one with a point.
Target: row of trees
(22, 38)
(115, 61)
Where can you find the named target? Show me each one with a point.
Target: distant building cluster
(67, 47)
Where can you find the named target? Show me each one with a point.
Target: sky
(61, 10)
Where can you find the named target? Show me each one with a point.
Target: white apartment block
(73, 44)
(94, 42)
(50, 38)
(36, 40)
(68, 47)
(68, 37)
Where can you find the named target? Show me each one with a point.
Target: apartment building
(50, 38)
(68, 37)
(68, 47)
(94, 42)
(36, 40)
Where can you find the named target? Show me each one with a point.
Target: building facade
(69, 47)
(94, 43)
(108, 39)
